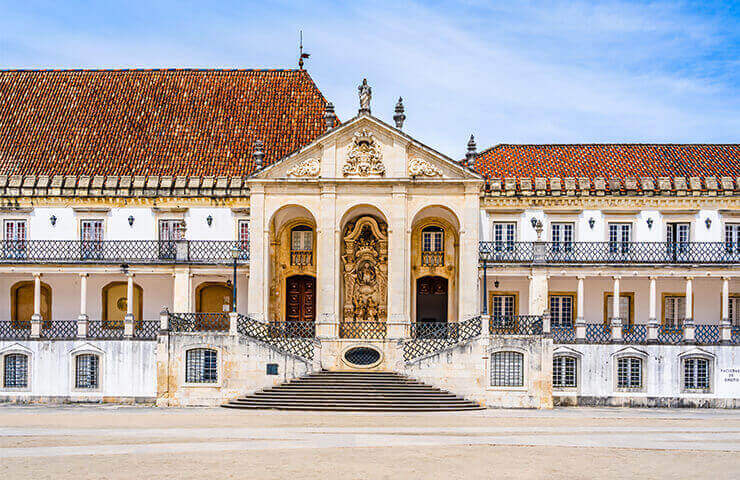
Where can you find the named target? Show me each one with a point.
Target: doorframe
(416, 296)
(285, 302)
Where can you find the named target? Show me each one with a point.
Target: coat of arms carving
(364, 156)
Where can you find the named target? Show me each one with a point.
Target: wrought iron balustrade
(735, 335)
(598, 333)
(58, 329)
(563, 333)
(199, 322)
(292, 329)
(515, 325)
(669, 334)
(707, 334)
(11, 330)
(284, 338)
(146, 330)
(363, 330)
(634, 333)
(122, 251)
(609, 252)
(433, 337)
(105, 329)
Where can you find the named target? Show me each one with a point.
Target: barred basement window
(629, 373)
(201, 366)
(564, 372)
(15, 371)
(86, 371)
(507, 369)
(696, 374)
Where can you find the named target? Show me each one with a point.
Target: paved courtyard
(109, 442)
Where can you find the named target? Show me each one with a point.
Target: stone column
(653, 323)
(397, 265)
(538, 291)
(326, 265)
(726, 324)
(688, 323)
(36, 318)
(181, 290)
(128, 321)
(258, 260)
(616, 320)
(580, 300)
(83, 318)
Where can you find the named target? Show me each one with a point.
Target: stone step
(355, 408)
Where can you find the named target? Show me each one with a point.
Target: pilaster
(327, 300)
(398, 263)
(258, 244)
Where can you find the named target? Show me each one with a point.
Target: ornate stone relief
(421, 168)
(307, 168)
(364, 156)
(365, 271)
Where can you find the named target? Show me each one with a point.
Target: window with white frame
(243, 237)
(201, 366)
(87, 371)
(734, 310)
(503, 310)
(677, 237)
(14, 245)
(301, 245)
(629, 373)
(507, 369)
(564, 372)
(732, 237)
(432, 246)
(696, 374)
(15, 370)
(620, 236)
(91, 234)
(561, 235)
(561, 310)
(674, 310)
(625, 309)
(504, 235)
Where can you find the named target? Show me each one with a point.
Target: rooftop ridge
(143, 69)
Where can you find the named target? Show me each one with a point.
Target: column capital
(129, 274)
(726, 278)
(581, 277)
(84, 274)
(689, 277)
(37, 274)
(653, 277)
(617, 277)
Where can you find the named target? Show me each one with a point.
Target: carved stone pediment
(421, 168)
(307, 168)
(364, 156)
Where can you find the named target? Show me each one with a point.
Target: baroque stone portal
(365, 267)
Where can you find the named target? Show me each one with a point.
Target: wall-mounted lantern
(649, 223)
(53, 220)
(495, 284)
(591, 222)
(708, 222)
(209, 220)
(130, 220)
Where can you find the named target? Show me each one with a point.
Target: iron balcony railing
(123, 251)
(428, 338)
(69, 329)
(610, 252)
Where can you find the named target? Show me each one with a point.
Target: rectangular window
(629, 373)
(625, 308)
(503, 311)
(734, 311)
(677, 237)
(91, 234)
(561, 235)
(564, 372)
(201, 366)
(432, 241)
(696, 374)
(561, 310)
(504, 235)
(732, 237)
(15, 371)
(243, 234)
(620, 236)
(301, 240)
(14, 245)
(86, 371)
(507, 369)
(674, 310)
(170, 231)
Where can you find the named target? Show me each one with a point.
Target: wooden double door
(431, 300)
(300, 299)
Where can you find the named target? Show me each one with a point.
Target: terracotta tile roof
(153, 122)
(610, 161)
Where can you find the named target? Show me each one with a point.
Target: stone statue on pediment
(366, 94)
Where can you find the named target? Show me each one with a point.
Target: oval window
(362, 356)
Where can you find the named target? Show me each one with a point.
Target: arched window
(115, 304)
(201, 365)
(564, 372)
(87, 371)
(629, 373)
(696, 374)
(507, 369)
(301, 245)
(15, 370)
(432, 246)
(21, 299)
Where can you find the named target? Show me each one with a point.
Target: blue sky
(510, 72)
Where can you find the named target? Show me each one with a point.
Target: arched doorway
(431, 300)
(213, 297)
(21, 295)
(300, 299)
(115, 304)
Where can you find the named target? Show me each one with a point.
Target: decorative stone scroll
(421, 168)
(365, 270)
(364, 156)
(307, 168)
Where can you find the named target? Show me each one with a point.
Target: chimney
(472, 151)
(258, 154)
(399, 117)
(330, 117)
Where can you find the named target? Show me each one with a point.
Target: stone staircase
(356, 392)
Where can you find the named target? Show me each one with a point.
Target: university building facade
(187, 237)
